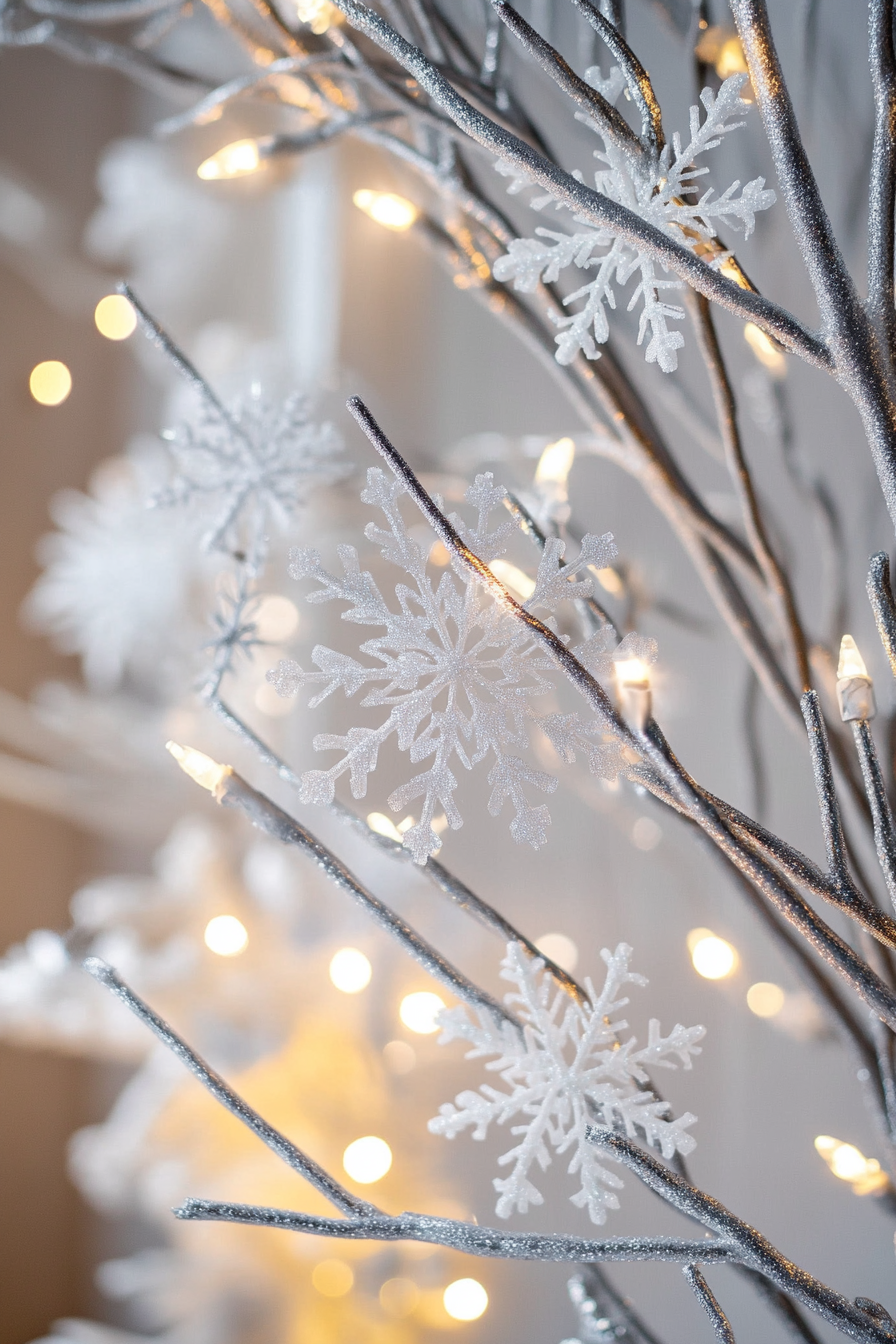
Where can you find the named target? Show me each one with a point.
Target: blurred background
(280, 280)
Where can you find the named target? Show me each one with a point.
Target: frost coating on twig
(663, 192)
(572, 1065)
(457, 672)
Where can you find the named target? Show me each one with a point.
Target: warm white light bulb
(851, 663)
(226, 936)
(419, 1011)
(555, 463)
(198, 766)
(393, 212)
(350, 971)
(632, 672)
(367, 1160)
(465, 1300)
(237, 159)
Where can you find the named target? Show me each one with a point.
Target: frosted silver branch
(467, 1237)
(305, 1166)
(720, 1324)
(754, 1249)
(879, 802)
(235, 792)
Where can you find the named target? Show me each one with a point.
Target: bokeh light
(226, 936)
(465, 1299)
(350, 971)
(419, 1011)
(50, 382)
(367, 1160)
(115, 317)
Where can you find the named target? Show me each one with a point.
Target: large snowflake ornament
(663, 190)
(249, 469)
(572, 1065)
(456, 671)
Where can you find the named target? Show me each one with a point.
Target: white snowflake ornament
(455, 670)
(572, 1065)
(248, 470)
(661, 189)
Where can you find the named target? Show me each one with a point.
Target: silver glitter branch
(754, 1250)
(721, 1326)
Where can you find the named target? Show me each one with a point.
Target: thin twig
(882, 816)
(720, 1324)
(300, 1162)
(234, 791)
(882, 201)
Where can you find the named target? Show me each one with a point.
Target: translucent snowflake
(248, 473)
(663, 191)
(456, 671)
(570, 1067)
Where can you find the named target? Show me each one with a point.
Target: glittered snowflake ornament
(456, 671)
(572, 1065)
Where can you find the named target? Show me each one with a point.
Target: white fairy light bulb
(207, 773)
(633, 682)
(855, 689)
(238, 159)
(367, 1160)
(555, 463)
(418, 1012)
(350, 971)
(465, 1300)
(711, 956)
(386, 208)
(847, 1163)
(226, 936)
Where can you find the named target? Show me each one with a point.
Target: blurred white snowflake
(246, 469)
(662, 190)
(568, 1069)
(456, 670)
(116, 582)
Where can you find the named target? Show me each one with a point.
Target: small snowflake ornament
(572, 1065)
(247, 471)
(456, 671)
(662, 189)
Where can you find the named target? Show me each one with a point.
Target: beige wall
(54, 118)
